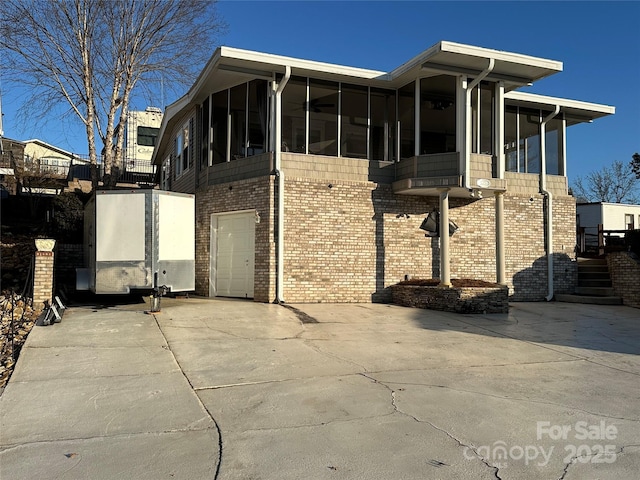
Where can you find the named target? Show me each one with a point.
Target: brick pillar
(43, 273)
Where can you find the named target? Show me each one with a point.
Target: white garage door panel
(235, 249)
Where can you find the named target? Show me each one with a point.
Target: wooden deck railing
(598, 243)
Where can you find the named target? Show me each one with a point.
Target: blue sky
(598, 43)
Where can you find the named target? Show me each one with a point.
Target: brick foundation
(348, 239)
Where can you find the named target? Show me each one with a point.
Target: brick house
(312, 180)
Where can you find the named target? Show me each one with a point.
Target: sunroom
(445, 117)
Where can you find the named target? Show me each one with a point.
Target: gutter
(280, 179)
(467, 152)
(549, 195)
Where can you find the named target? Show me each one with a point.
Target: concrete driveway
(233, 389)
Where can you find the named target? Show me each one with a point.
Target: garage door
(234, 261)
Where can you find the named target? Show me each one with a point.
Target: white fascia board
(479, 52)
(415, 61)
(619, 205)
(169, 117)
(298, 63)
(204, 74)
(543, 100)
(501, 55)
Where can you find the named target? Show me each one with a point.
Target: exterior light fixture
(431, 225)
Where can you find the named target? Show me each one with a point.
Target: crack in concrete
(621, 452)
(566, 469)
(521, 399)
(320, 424)
(574, 460)
(281, 380)
(12, 446)
(245, 384)
(331, 355)
(496, 470)
(204, 407)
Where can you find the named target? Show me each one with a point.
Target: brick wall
(349, 241)
(625, 277)
(251, 194)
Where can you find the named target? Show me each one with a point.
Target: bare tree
(90, 55)
(635, 164)
(615, 183)
(34, 179)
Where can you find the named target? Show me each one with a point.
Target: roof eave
(579, 111)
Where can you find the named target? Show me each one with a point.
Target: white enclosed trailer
(138, 240)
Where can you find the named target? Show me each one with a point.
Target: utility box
(138, 240)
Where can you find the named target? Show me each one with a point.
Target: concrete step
(594, 300)
(604, 275)
(606, 283)
(596, 291)
(593, 268)
(592, 261)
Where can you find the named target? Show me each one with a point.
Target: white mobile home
(612, 216)
(141, 134)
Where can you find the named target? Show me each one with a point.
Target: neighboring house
(10, 152)
(46, 158)
(45, 168)
(312, 179)
(612, 216)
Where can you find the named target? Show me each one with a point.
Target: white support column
(306, 119)
(339, 140)
(210, 142)
(498, 148)
(246, 122)
(500, 257)
(416, 121)
(563, 139)
(445, 271)
(228, 152)
(461, 121)
(369, 128)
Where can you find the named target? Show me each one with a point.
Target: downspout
(549, 195)
(280, 179)
(467, 150)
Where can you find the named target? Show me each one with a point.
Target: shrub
(68, 217)
(632, 241)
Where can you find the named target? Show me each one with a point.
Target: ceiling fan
(437, 102)
(316, 106)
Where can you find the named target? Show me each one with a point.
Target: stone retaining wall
(455, 299)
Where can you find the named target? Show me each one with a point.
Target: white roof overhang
(514, 69)
(231, 66)
(574, 111)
